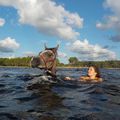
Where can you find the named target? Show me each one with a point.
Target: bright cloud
(112, 21)
(87, 51)
(8, 45)
(2, 22)
(47, 16)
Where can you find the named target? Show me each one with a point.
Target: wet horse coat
(46, 60)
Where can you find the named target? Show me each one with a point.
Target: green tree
(73, 61)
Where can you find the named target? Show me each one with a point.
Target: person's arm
(100, 79)
(97, 80)
(84, 78)
(68, 78)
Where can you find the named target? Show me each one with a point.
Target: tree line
(24, 61)
(73, 62)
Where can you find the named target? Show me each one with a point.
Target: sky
(88, 30)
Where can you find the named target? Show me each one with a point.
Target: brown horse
(46, 60)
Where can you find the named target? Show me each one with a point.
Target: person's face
(91, 71)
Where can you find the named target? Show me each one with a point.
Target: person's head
(93, 71)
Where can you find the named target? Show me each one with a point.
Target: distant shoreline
(15, 66)
(84, 67)
(67, 67)
(30, 67)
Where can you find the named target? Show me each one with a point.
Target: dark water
(65, 100)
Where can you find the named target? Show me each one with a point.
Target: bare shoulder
(99, 79)
(84, 78)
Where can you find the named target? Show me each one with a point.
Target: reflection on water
(62, 100)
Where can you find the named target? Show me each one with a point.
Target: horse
(46, 60)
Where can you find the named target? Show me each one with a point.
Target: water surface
(63, 100)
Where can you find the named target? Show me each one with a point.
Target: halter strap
(49, 59)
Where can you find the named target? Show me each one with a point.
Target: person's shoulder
(99, 79)
(84, 77)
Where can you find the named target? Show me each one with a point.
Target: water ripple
(58, 99)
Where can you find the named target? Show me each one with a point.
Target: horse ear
(57, 46)
(45, 46)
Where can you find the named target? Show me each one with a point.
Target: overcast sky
(84, 29)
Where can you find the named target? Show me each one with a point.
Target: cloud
(29, 53)
(86, 51)
(112, 21)
(2, 22)
(114, 6)
(115, 38)
(62, 54)
(8, 55)
(52, 19)
(8, 45)
(47, 16)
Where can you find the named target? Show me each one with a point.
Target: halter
(50, 62)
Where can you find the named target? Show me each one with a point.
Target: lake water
(63, 100)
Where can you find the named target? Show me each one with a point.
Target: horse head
(46, 59)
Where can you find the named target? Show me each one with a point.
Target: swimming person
(93, 75)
